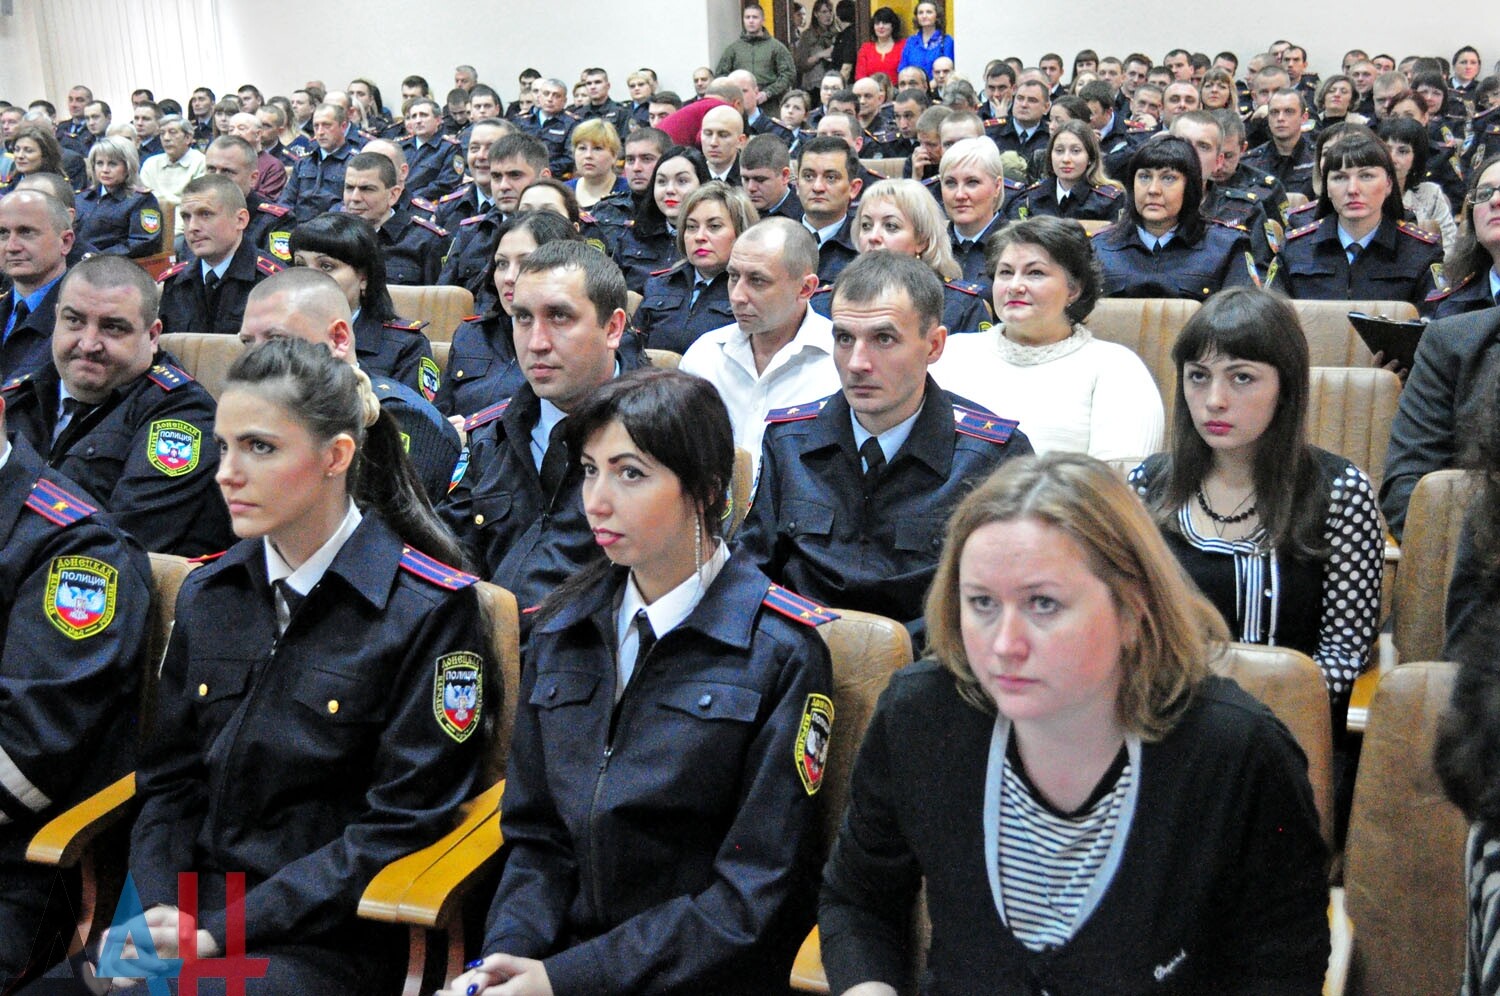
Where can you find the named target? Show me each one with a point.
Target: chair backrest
(167, 574)
(739, 491)
(1093, 226)
(1294, 200)
(499, 607)
(1404, 861)
(1331, 339)
(632, 302)
(442, 308)
(866, 650)
(664, 358)
(1349, 412)
(156, 264)
(1434, 519)
(440, 351)
(1292, 687)
(206, 355)
(1148, 327)
(890, 168)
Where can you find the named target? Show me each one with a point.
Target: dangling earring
(698, 541)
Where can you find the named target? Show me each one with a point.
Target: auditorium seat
(442, 308)
(1434, 519)
(664, 358)
(1148, 327)
(207, 356)
(1331, 339)
(1349, 412)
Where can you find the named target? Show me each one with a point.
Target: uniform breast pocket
(561, 700)
(215, 687)
(491, 510)
(704, 729)
(806, 520)
(659, 303)
(103, 453)
(463, 367)
(338, 710)
(920, 534)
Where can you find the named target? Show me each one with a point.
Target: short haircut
(520, 146)
(218, 186)
(252, 88)
(484, 90)
(911, 95)
(149, 105)
(339, 114)
(873, 274)
(420, 82)
(828, 145)
(932, 119)
(1231, 125)
(603, 283)
(799, 250)
(56, 209)
(1202, 118)
(736, 202)
(1068, 245)
(999, 68)
(377, 163)
(655, 136)
(437, 111)
(237, 145)
(667, 97)
(107, 271)
(764, 152)
(278, 116)
(1098, 92)
(103, 107)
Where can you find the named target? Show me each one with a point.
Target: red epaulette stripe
(205, 558)
(56, 505)
(797, 608)
(54, 493)
(418, 563)
(486, 415)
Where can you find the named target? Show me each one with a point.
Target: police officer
(1235, 174)
(766, 175)
(120, 418)
(1471, 277)
(648, 244)
(550, 123)
(413, 245)
(36, 235)
(116, 215)
(1238, 209)
(317, 184)
(855, 490)
(271, 224)
(322, 696)
(971, 178)
(827, 186)
(429, 153)
(207, 292)
(76, 594)
(692, 297)
(515, 161)
(1025, 132)
(518, 506)
(473, 196)
(1288, 156)
(596, 85)
(305, 303)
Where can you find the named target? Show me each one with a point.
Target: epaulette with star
(406, 324)
(797, 608)
(797, 413)
(172, 271)
(472, 219)
(167, 377)
(1109, 190)
(14, 382)
(1421, 235)
(206, 558)
(967, 288)
(424, 204)
(458, 194)
(1229, 224)
(1449, 291)
(982, 424)
(273, 209)
(1299, 232)
(57, 505)
(486, 415)
(435, 571)
(431, 226)
(267, 265)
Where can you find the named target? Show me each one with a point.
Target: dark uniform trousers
(471, 252)
(820, 526)
(1397, 265)
(146, 455)
(1220, 258)
(556, 135)
(524, 539)
(667, 843)
(643, 253)
(28, 348)
(123, 222)
(669, 318)
(75, 594)
(431, 174)
(397, 349)
(1294, 171)
(413, 249)
(317, 184)
(311, 760)
(482, 368)
(1083, 203)
(188, 305)
(965, 306)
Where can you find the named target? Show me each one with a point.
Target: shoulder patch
(814, 734)
(431, 226)
(967, 288)
(174, 446)
(1439, 295)
(982, 425)
(1297, 233)
(274, 210)
(797, 413)
(167, 377)
(268, 266)
(56, 505)
(458, 693)
(456, 195)
(486, 415)
(172, 271)
(797, 608)
(1418, 233)
(15, 382)
(418, 563)
(412, 325)
(1108, 190)
(80, 599)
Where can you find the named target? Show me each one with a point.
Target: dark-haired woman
(882, 53)
(1074, 185)
(1473, 269)
(650, 242)
(348, 250)
(1162, 246)
(34, 149)
(1424, 200)
(482, 366)
(1360, 248)
(928, 43)
(692, 297)
(672, 727)
(323, 695)
(1284, 538)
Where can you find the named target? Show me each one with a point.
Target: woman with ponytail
(322, 699)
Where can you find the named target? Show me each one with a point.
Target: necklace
(1221, 521)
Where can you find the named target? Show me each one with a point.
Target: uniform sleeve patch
(813, 736)
(795, 607)
(80, 599)
(174, 446)
(150, 221)
(430, 377)
(458, 693)
(280, 245)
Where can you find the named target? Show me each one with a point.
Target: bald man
(722, 138)
(272, 179)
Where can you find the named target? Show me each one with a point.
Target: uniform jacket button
(479, 519)
(706, 701)
(333, 706)
(202, 690)
(552, 692)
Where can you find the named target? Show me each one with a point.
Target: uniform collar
(929, 435)
(367, 561)
(306, 577)
(669, 611)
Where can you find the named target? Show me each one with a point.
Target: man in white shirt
(779, 351)
(168, 172)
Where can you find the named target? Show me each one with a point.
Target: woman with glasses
(1473, 269)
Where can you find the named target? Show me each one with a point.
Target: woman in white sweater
(1070, 391)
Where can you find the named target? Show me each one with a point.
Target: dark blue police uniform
(463, 202)
(310, 760)
(556, 134)
(1472, 293)
(413, 249)
(1083, 203)
(431, 174)
(1181, 269)
(664, 837)
(75, 594)
(188, 304)
(1242, 210)
(1267, 189)
(471, 252)
(482, 368)
(670, 318)
(1397, 265)
(835, 252)
(431, 442)
(123, 222)
(615, 113)
(396, 348)
(970, 252)
(28, 348)
(270, 228)
(317, 182)
(643, 252)
(1007, 136)
(146, 456)
(966, 308)
(821, 527)
(1294, 171)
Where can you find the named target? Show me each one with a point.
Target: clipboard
(1396, 339)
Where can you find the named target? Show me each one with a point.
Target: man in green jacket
(756, 51)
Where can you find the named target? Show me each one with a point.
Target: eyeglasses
(1483, 195)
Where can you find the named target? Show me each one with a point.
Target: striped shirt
(1482, 973)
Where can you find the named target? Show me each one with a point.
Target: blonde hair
(600, 132)
(926, 219)
(1177, 631)
(737, 205)
(112, 147)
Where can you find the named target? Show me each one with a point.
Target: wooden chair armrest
(807, 970)
(384, 897)
(65, 838)
(1359, 699)
(1341, 934)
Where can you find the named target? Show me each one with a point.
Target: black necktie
(291, 598)
(18, 314)
(645, 635)
(1354, 249)
(554, 461)
(211, 290)
(874, 458)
